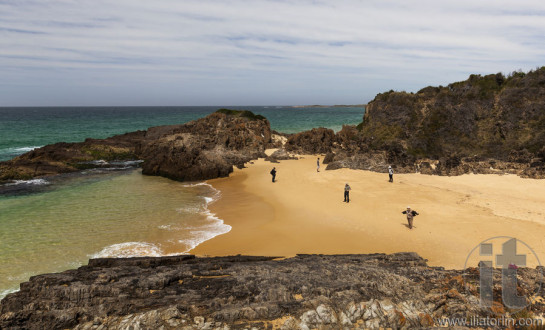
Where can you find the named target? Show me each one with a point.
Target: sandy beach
(303, 212)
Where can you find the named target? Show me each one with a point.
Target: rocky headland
(485, 124)
(304, 292)
(202, 149)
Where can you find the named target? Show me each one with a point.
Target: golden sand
(304, 212)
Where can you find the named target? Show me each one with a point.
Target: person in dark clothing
(391, 173)
(410, 216)
(273, 173)
(347, 193)
(318, 165)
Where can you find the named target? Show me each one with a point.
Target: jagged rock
(329, 157)
(482, 125)
(372, 161)
(316, 141)
(484, 115)
(304, 292)
(70, 157)
(205, 148)
(202, 149)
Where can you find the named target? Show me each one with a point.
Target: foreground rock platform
(303, 292)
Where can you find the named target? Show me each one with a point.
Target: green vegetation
(241, 113)
(490, 116)
(382, 135)
(360, 126)
(7, 174)
(108, 152)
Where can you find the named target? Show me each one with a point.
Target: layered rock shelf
(239, 292)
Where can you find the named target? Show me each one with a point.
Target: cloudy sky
(253, 52)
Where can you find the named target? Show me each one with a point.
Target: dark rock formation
(70, 157)
(202, 149)
(495, 117)
(308, 291)
(490, 124)
(329, 157)
(206, 148)
(316, 141)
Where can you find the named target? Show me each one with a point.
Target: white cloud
(220, 51)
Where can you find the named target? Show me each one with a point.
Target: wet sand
(304, 212)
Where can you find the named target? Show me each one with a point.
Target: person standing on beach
(273, 173)
(410, 216)
(391, 173)
(318, 165)
(347, 193)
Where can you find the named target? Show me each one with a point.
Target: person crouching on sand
(410, 216)
(318, 165)
(273, 173)
(347, 193)
(391, 173)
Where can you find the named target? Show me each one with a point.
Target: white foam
(25, 149)
(191, 209)
(205, 233)
(37, 182)
(16, 151)
(212, 227)
(197, 184)
(6, 292)
(129, 250)
(170, 227)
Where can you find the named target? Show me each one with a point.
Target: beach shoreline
(303, 212)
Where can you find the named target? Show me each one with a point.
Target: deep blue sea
(66, 221)
(22, 129)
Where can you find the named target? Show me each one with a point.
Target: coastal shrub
(429, 90)
(241, 113)
(359, 127)
(107, 152)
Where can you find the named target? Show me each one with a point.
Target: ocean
(98, 213)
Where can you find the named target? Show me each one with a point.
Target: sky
(254, 52)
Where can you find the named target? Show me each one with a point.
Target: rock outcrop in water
(305, 292)
(70, 157)
(202, 149)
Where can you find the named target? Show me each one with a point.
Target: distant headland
(330, 106)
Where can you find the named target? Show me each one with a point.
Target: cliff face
(489, 116)
(490, 124)
(202, 149)
(308, 291)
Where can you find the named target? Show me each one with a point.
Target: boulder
(316, 141)
(204, 149)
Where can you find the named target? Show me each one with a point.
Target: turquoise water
(112, 214)
(22, 129)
